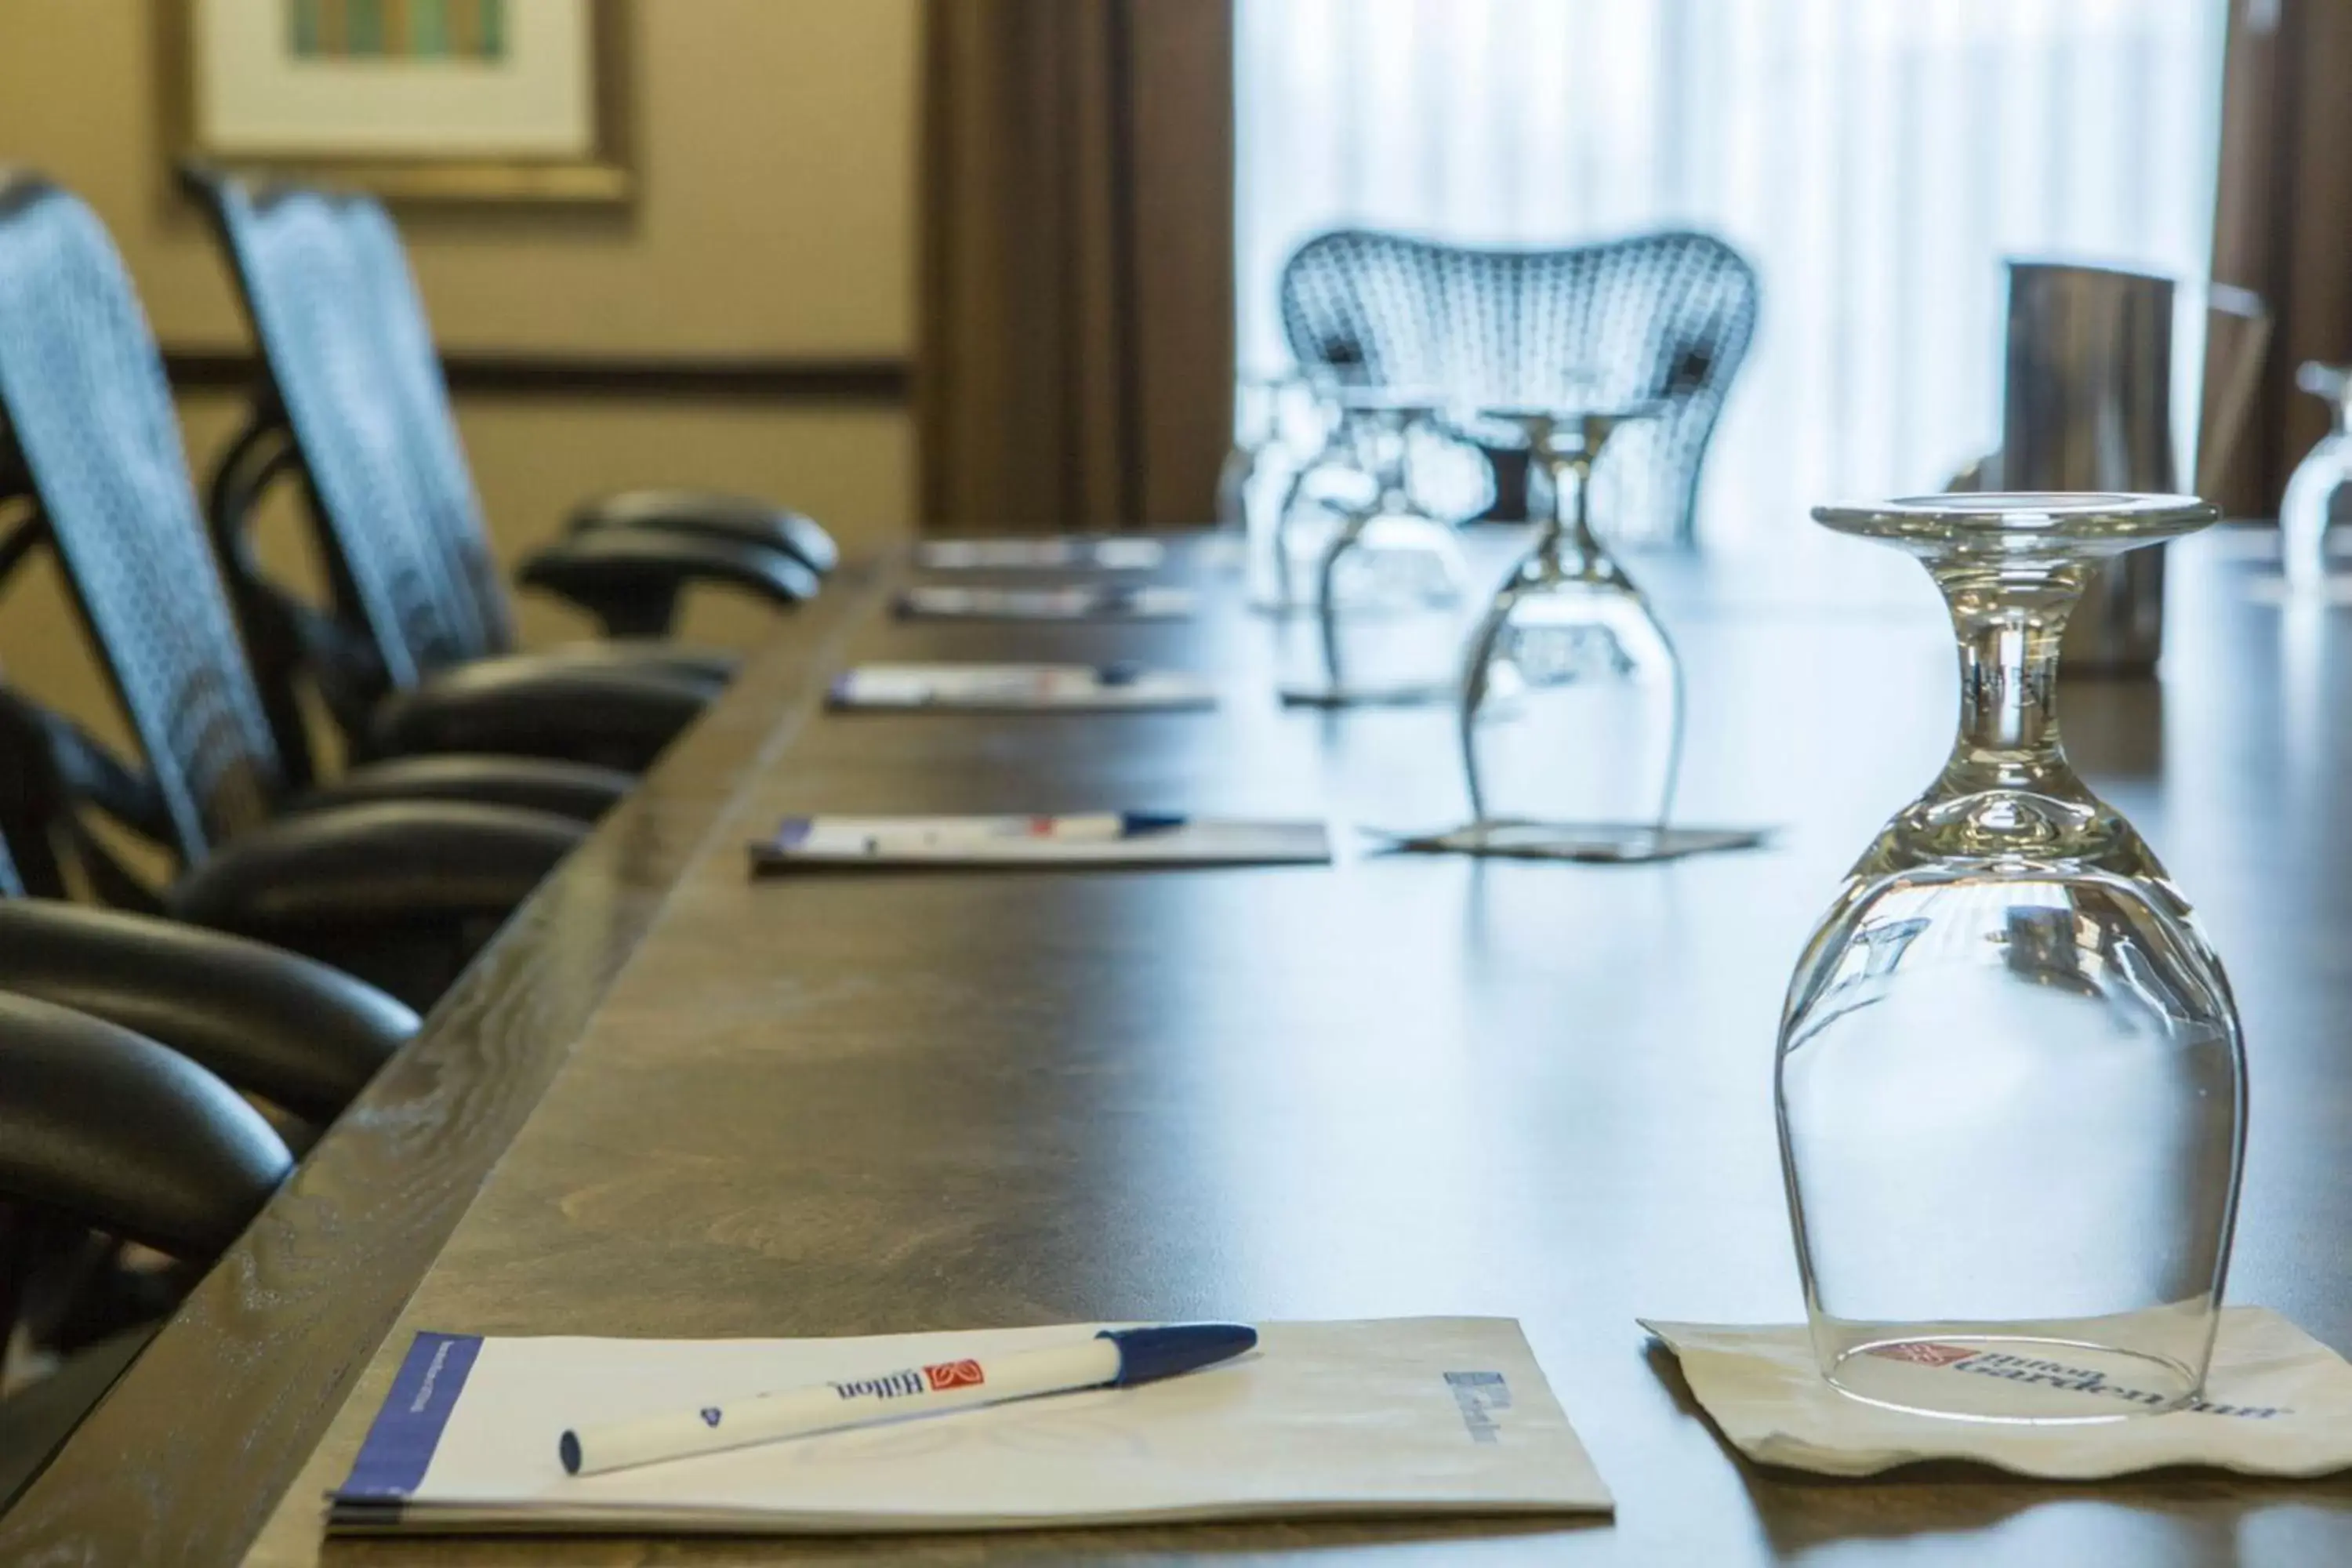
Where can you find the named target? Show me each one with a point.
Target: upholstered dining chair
(417, 652)
(398, 871)
(1662, 318)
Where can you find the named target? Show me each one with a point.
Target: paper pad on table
(1098, 838)
(2277, 1403)
(1065, 552)
(1428, 1416)
(1600, 843)
(1018, 688)
(1081, 603)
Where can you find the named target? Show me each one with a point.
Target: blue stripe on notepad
(399, 1446)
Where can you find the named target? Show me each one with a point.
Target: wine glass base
(1593, 843)
(2012, 1379)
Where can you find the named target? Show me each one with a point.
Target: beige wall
(777, 148)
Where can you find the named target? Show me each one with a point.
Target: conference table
(676, 1101)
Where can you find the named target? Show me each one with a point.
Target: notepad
(1420, 1415)
(1597, 843)
(1014, 554)
(1018, 688)
(1082, 601)
(1091, 839)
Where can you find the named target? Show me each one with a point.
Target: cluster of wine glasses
(2010, 1081)
(1570, 693)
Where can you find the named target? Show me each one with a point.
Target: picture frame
(573, 144)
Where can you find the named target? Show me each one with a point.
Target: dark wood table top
(675, 1102)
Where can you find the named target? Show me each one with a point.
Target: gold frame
(608, 176)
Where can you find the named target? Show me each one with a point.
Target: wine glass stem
(2008, 644)
(1571, 512)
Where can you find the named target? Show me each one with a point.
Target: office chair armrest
(126, 1136)
(269, 1022)
(629, 578)
(387, 866)
(714, 667)
(744, 519)
(575, 790)
(531, 706)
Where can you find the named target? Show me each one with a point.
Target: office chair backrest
(88, 417)
(453, 506)
(1661, 316)
(306, 295)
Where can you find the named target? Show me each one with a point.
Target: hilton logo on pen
(903, 1384)
(956, 1375)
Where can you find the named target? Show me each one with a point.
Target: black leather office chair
(270, 1024)
(1663, 317)
(103, 1128)
(386, 876)
(417, 654)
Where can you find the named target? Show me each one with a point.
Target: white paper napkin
(2277, 1403)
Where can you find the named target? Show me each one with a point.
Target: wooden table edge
(107, 1496)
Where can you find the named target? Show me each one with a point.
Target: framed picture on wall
(415, 99)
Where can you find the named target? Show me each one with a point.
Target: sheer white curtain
(1877, 159)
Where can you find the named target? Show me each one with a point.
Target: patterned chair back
(1659, 316)
(454, 507)
(306, 294)
(88, 415)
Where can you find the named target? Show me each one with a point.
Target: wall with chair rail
(746, 323)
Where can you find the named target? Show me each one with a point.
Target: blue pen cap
(1145, 1354)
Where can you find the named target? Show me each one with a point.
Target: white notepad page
(1067, 552)
(1079, 603)
(1091, 839)
(1018, 688)
(1422, 1415)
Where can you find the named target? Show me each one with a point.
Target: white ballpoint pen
(1116, 1358)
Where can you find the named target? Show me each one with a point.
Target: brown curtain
(1076, 368)
(2283, 226)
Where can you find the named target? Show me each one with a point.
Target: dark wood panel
(185, 1458)
(474, 373)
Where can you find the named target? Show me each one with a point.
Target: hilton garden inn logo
(2052, 1374)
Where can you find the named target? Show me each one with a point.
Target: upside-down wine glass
(2317, 490)
(1391, 572)
(1256, 401)
(1303, 512)
(1572, 695)
(2011, 1082)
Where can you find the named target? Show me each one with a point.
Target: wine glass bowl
(2010, 1075)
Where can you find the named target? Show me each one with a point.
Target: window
(1877, 159)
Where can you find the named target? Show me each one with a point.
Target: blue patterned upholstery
(369, 479)
(89, 415)
(442, 476)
